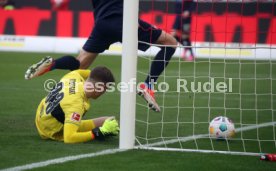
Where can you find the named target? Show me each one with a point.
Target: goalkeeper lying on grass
(59, 115)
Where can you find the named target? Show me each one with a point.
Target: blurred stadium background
(231, 39)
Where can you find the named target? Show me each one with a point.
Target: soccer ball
(221, 128)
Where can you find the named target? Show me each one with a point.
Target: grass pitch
(253, 101)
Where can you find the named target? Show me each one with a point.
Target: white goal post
(128, 72)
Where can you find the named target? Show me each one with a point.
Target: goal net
(233, 74)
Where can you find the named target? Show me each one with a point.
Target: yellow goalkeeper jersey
(66, 103)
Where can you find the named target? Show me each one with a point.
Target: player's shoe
(183, 55)
(39, 68)
(187, 57)
(148, 95)
(190, 58)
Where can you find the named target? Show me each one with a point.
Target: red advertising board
(206, 27)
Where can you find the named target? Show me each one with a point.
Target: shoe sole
(151, 102)
(33, 71)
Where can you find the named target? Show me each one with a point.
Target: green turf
(251, 101)
(247, 104)
(153, 160)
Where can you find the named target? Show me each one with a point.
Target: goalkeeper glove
(110, 127)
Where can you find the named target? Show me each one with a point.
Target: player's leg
(176, 28)
(67, 62)
(186, 29)
(149, 34)
(104, 34)
(95, 44)
(181, 32)
(152, 35)
(162, 58)
(187, 42)
(158, 65)
(86, 59)
(83, 61)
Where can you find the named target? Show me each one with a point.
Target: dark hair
(101, 74)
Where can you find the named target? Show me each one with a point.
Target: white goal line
(148, 146)
(194, 137)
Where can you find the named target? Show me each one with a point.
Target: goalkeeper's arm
(110, 127)
(71, 134)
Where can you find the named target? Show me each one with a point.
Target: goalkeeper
(108, 17)
(59, 115)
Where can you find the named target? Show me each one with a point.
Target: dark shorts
(109, 30)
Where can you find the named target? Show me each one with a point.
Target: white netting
(246, 66)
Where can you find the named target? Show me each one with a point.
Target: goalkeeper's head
(99, 80)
